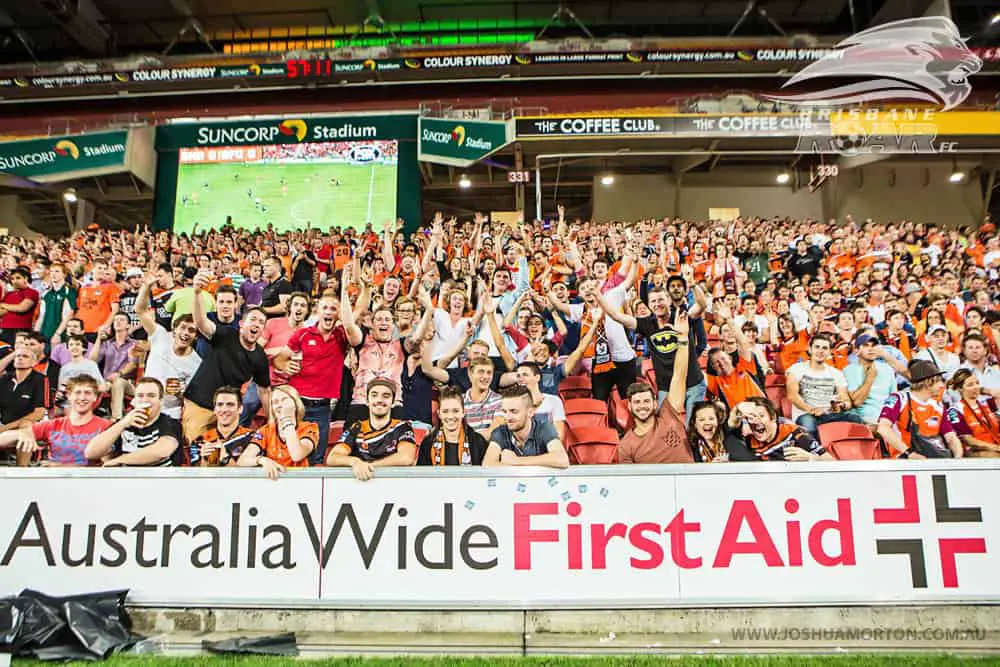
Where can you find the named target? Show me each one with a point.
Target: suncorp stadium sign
(461, 143)
(284, 131)
(51, 158)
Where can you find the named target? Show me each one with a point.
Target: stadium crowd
(479, 343)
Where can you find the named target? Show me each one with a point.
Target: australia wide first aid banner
(740, 534)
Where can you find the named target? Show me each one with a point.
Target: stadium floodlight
(957, 176)
(607, 179)
(69, 195)
(464, 182)
(995, 19)
(783, 178)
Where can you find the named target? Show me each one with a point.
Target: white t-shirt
(446, 336)
(945, 361)
(761, 321)
(553, 407)
(621, 350)
(163, 363)
(816, 387)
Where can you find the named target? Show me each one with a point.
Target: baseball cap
(937, 327)
(911, 288)
(134, 272)
(864, 339)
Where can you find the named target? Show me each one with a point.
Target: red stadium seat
(774, 388)
(621, 418)
(586, 412)
(648, 373)
(575, 386)
(336, 429)
(594, 445)
(849, 442)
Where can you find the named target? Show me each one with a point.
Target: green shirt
(182, 302)
(54, 300)
(757, 267)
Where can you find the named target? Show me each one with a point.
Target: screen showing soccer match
(293, 186)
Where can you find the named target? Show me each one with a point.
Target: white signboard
(737, 534)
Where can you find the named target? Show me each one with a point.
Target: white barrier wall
(617, 536)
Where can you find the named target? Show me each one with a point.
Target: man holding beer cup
(224, 443)
(172, 359)
(143, 437)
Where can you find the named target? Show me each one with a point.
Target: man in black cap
(913, 422)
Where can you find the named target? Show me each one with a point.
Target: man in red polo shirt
(17, 309)
(314, 361)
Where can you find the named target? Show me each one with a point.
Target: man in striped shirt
(482, 404)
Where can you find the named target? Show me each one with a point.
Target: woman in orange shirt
(792, 345)
(974, 416)
(286, 440)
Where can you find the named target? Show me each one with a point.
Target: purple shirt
(252, 292)
(113, 356)
(60, 354)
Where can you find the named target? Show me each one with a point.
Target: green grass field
(617, 661)
(367, 193)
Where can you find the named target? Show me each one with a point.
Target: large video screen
(317, 185)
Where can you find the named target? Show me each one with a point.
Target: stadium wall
(402, 127)
(883, 192)
(14, 217)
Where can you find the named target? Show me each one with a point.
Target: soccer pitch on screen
(318, 185)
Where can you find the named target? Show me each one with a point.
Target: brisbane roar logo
(458, 135)
(293, 128)
(921, 59)
(67, 148)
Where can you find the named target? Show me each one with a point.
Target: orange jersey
(273, 448)
(737, 386)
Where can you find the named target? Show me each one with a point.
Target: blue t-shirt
(542, 433)
(883, 385)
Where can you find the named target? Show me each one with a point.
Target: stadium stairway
(696, 631)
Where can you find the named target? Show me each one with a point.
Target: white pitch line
(371, 192)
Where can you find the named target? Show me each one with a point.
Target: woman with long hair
(792, 346)
(286, 440)
(974, 416)
(706, 432)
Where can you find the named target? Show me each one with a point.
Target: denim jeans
(251, 404)
(812, 423)
(319, 414)
(691, 396)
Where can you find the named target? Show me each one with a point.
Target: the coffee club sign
(460, 143)
(290, 130)
(59, 158)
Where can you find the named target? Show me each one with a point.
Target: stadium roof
(54, 30)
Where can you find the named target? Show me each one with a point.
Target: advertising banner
(449, 63)
(285, 131)
(460, 143)
(673, 125)
(61, 158)
(739, 534)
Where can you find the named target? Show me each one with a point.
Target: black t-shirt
(418, 394)
(126, 304)
(477, 449)
(227, 363)
(159, 302)
(134, 439)
(271, 295)
(304, 270)
(663, 345)
(20, 400)
(803, 265)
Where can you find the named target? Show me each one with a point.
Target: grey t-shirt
(543, 432)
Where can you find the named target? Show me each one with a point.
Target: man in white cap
(938, 339)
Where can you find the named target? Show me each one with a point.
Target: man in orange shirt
(97, 303)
